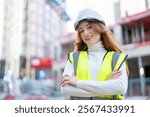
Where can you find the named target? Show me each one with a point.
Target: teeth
(88, 38)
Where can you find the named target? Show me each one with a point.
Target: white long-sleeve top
(94, 88)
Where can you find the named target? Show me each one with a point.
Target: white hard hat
(89, 15)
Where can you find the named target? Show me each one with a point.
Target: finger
(65, 83)
(115, 73)
(116, 76)
(64, 79)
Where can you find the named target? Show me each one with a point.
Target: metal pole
(126, 36)
(132, 34)
(141, 70)
(142, 32)
(28, 56)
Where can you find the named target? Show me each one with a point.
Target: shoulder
(117, 54)
(72, 54)
(118, 59)
(75, 55)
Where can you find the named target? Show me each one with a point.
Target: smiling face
(88, 34)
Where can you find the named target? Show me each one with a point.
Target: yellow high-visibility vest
(111, 61)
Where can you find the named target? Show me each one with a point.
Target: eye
(81, 31)
(89, 26)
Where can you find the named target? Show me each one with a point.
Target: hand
(69, 80)
(115, 74)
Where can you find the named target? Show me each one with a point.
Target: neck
(96, 46)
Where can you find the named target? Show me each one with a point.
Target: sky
(1, 25)
(104, 7)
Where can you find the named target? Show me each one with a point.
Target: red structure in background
(39, 63)
(139, 17)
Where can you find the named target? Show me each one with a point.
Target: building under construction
(136, 40)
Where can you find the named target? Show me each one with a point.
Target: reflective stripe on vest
(111, 61)
(81, 71)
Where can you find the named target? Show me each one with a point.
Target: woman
(96, 69)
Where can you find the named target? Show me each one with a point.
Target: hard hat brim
(76, 25)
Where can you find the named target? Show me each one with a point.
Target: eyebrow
(85, 25)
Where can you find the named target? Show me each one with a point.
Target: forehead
(83, 24)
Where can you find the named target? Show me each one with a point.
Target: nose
(86, 32)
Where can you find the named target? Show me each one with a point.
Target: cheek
(82, 37)
(98, 37)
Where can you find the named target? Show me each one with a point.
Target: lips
(88, 38)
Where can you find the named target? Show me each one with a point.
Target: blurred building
(132, 29)
(63, 46)
(1, 36)
(30, 29)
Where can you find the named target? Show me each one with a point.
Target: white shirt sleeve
(71, 90)
(75, 91)
(109, 87)
(69, 70)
